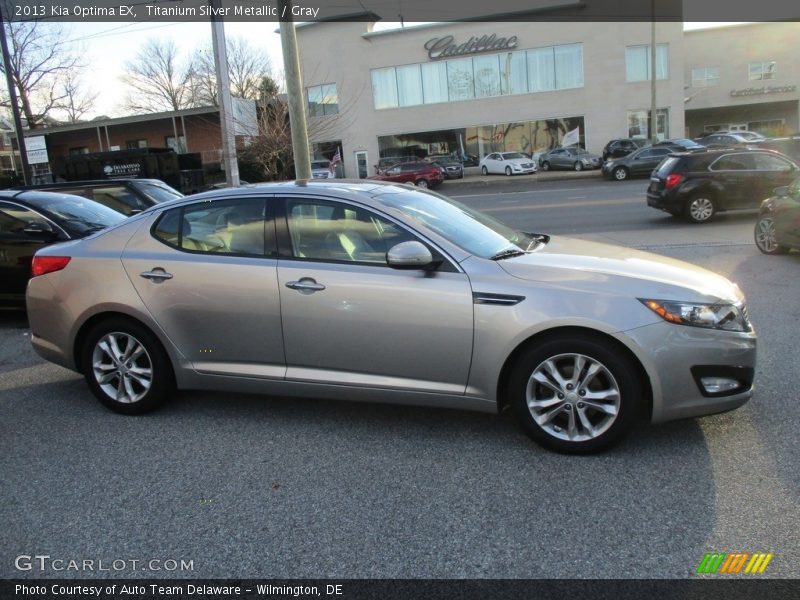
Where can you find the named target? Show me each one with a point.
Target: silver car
(571, 157)
(384, 293)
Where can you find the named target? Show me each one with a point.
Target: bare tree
(41, 59)
(77, 100)
(157, 80)
(247, 68)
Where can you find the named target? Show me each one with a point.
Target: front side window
(331, 231)
(734, 162)
(638, 59)
(223, 227)
(767, 162)
(762, 70)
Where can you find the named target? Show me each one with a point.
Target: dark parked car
(778, 227)
(622, 147)
(682, 143)
(389, 161)
(723, 140)
(638, 163)
(29, 221)
(572, 157)
(421, 174)
(126, 196)
(750, 136)
(698, 185)
(451, 167)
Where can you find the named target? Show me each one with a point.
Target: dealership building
(480, 87)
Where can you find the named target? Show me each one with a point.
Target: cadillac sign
(446, 47)
(764, 90)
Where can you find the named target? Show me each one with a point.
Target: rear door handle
(156, 275)
(305, 285)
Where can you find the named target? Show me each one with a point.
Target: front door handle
(158, 274)
(305, 285)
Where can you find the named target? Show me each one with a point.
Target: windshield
(158, 192)
(511, 155)
(78, 213)
(475, 232)
(320, 164)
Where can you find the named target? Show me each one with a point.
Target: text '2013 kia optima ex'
(381, 292)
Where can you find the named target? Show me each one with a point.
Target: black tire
(508, 171)
(620, 174)
(484, 170)
(144, 399)
(618, 371)
(700, 208)
(578, 166)
(545, 166)
(764, 236)
(423, 183)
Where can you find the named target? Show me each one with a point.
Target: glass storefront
(477, 142)
(639, 124)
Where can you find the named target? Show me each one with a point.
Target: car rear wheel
(700, 208)
(484, 170)
(620, 173)
(764, 235)
(126, 368)
(578, 166)
(545, 166)
(575, 395)
(423, 183)
(508, 171)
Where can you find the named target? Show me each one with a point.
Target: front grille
(527, 165)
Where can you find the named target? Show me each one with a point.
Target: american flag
(337, 158)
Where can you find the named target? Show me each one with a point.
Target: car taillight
(673, 180)
(42, 265)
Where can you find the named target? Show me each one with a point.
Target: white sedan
(509, 163)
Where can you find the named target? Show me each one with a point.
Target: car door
(22, 232)
(492, 163)
(207, 273)
(350, 319)
(771, 172)
(560, 159)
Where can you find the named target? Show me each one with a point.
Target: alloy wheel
(764, 235)
(620, 174)
(578, 165)
(701, 209)
(573, 397)
(122, 367)
(423, 183)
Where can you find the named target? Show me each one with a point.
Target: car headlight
(729, 317)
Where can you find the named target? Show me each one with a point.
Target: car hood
(598, 267)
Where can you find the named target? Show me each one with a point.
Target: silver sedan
(384, 293)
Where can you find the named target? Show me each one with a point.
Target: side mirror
(409, 255)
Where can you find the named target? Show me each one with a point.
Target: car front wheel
(578, 165)
(484, 170)
(508, 171)
(126, 368)
(545, 166)
(764, 235)
(620, 173)
(422, 183)
(575, 395)
(700, 208)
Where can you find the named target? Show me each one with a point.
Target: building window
(409, 85)
(637, 62)
(639, 122)
(79, 150)
(762, 70)
(133, 144)
(484, 76)
(705, 76)
(169, 142)
(323, 100)
(384, 88)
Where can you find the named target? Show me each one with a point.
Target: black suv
(126, 196)
(698, 185)
(622, 147)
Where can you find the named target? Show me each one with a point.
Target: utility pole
(225, 103)
(294, 91)
(12, 93)
(653, 107)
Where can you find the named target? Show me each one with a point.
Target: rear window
(666, 166)
(158, 192)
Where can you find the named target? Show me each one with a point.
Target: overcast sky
(109, 45)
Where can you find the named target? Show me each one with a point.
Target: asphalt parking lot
(250, 486)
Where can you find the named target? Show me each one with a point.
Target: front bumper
(673, 355)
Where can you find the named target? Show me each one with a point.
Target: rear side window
(118, 197)
(666, 166)
(225, 227)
